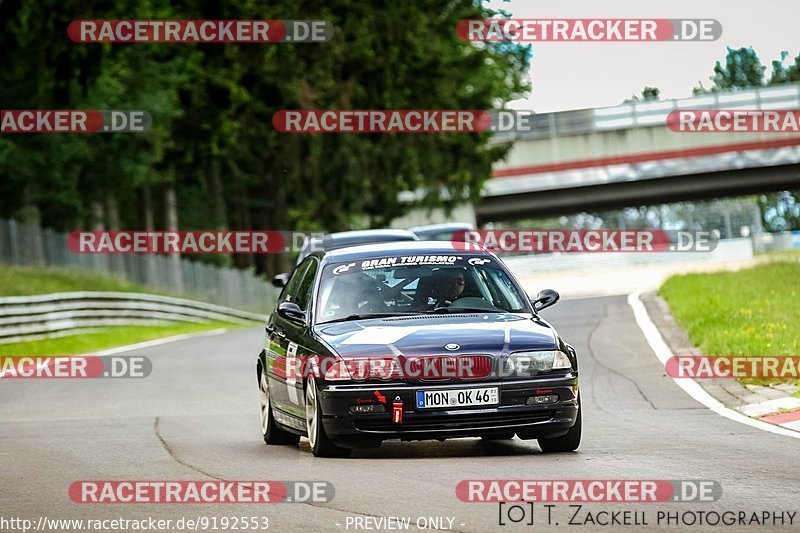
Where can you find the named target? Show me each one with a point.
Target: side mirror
(280, 280)
(291, 311)
(545, 299)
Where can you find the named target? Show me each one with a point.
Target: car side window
(291, 291)
(306, 288)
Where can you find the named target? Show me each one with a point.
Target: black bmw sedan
(410, 341)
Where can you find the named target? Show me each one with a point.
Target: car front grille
(448, 367)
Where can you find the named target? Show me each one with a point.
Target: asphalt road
(196, 417)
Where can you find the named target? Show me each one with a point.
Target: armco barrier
(49, 315)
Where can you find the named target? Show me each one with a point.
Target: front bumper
(511, 415)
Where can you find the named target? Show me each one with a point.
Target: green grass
(23, 281)
(104, 338)
(783, 255)
(750, 312)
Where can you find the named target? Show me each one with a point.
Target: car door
(279, 343)
(290, 342)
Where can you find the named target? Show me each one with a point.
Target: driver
(452, 286)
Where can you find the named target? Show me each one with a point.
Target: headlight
(531, 363)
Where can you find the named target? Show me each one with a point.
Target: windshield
(416, 284)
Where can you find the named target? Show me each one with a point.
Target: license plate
(457, 397)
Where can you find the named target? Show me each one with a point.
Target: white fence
(652, 113)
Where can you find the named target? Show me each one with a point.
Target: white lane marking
(691, 387)
(792, 425)
(145, 344)
(159, 342)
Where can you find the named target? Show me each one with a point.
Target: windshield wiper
(446, 309)
(362, 316)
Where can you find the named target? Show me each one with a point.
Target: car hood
(474, 333)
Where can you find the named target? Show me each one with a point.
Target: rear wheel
(568, 442)
(321, 445)
(273, 434)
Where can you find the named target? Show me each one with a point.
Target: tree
(742, 69)
(212, 143)
(651, 93)
(780, 211)
(648, 94)
(783, 74)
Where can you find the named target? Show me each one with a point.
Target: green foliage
(783, 74)
(780, 211)
(22, 281)
(742, 69)
(750, 312)
(651, 93)
(212, 140)
(648, 94)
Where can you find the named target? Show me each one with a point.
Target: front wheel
(321, 445)
(269, 428)
(568, 442)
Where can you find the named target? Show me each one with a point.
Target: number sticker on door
(292, 369)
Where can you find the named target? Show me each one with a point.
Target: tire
(568, 442)
(321, 445)
(273, 434)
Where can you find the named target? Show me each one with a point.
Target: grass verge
(750, 312)
(23, 281)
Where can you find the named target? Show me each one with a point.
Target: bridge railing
(651, 113)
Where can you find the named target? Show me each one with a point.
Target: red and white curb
(784, 412)
(691, 387)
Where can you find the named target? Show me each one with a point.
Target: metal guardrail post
(13, 242)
